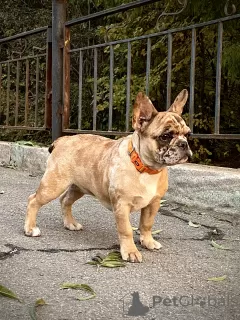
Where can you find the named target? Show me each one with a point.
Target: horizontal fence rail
(100, 102)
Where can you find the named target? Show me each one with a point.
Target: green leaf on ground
(83, 287)
(162, 201)
(32, 309)
(111, 260)
(218, 246)
(191, 224)
(156, 231)
(40, 302)
(217, 278)
(112, 264)
(153, 232)
(26, 143)
(8, 293)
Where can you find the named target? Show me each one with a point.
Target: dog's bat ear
(143, 112)
(179, 102)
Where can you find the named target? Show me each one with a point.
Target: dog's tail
(50, 149)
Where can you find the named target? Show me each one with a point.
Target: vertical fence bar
(37, 92)
(218, 78)
(17, 94)
(80, 90)
(111, 89)
(8, 93)
(148, 66)
(27, 93)
(128, 99)
(95, 91)
(169, 71)
(192, 79)
(48, 89)
(66, 78)
(58, 20)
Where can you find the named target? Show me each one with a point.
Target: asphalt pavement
(170, 284)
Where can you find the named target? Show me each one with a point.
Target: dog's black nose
(182, 144)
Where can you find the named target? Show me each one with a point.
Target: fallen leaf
(8, 293)
(113, 264)
(156, 231)
(153, 232)
(111, 260)
(98, 258)
(32, 309)
(218, 246)
(40, 302)
(82, 286)
(217, 278)
(191, 224)
(94, 263)
(26, 143)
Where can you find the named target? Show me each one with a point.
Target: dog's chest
(134, 190)
(144, 191)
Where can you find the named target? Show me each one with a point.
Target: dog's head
(162, 135)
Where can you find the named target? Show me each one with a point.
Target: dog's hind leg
(67, 199)
(51, 187)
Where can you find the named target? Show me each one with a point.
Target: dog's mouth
(172, 156)
(173, 161)
(184, 159)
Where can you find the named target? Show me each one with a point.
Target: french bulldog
(125, 175)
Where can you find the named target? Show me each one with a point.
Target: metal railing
(169, 33)
(58, 82)
(18, 103)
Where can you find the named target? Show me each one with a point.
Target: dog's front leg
(128, 248)
(146, 222)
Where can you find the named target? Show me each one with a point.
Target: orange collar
(135, 159)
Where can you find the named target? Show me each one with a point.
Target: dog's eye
(166, 136)
(188, 135)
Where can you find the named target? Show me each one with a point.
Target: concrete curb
(192, 186)
(206, 188)
(32, 159)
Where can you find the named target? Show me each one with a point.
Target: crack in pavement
(219, 234)
(18, 250)
(234, 220)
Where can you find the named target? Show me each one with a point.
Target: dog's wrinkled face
(171, 139)
(163, 134)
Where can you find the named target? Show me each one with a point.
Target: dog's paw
(150, 243)
(131, 255)
(34, 232)
(73, 225)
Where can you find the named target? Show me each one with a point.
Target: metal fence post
(58, 21)
(48, 90)
(66, 78)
